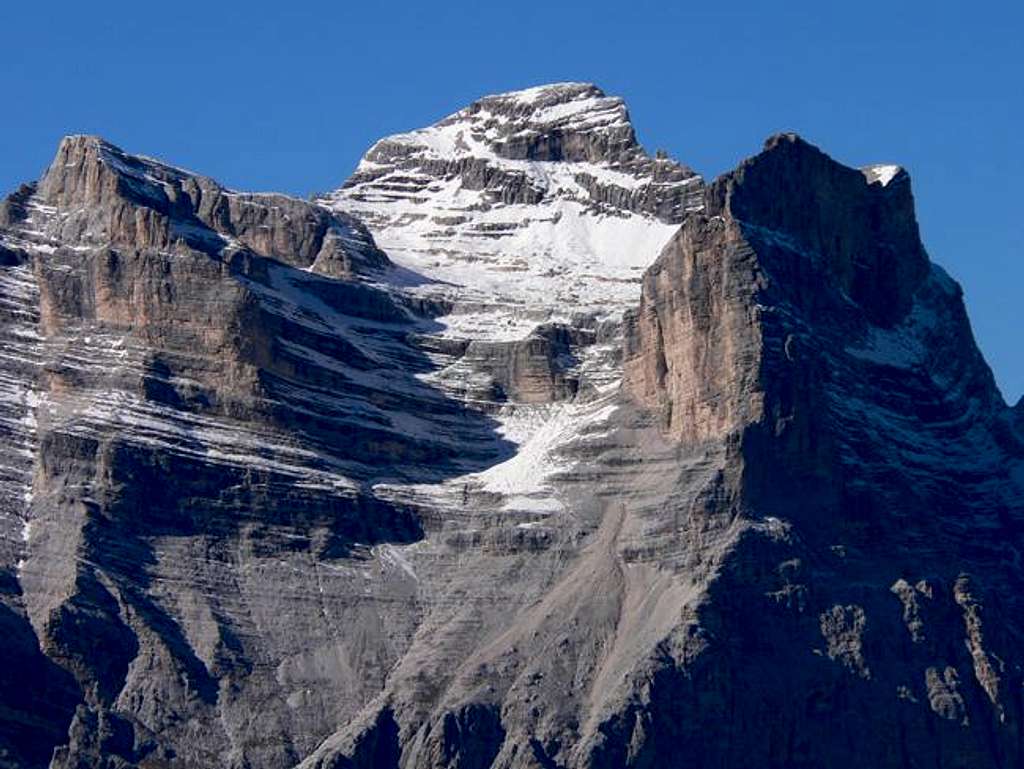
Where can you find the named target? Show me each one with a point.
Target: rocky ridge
(536, 205)
(280, 488)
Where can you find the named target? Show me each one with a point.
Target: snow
(594, 109)
(214, 440)
(540, 431)
(889, 348)
(549, 260)
(524, 484)
(922, 447)
(882, 173)
(20, 357)
(557, 254)
(502, 268)
(905, 346)
(391, 556)
(530, 95)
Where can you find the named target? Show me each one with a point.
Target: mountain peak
(572, 106)
(105, 196)
(860, 221)
(561, 122)
(547, 95)
(89, 169)
(883, 173)
(789, 141)
(537, 197)
(567, 89)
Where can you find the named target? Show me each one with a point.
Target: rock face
(272, 497)
(868, 444)
(187, 402)
(538, 203)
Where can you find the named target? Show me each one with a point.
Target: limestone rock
(271, 497)
(109, 198)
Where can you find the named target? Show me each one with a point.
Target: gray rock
(109, 198)
(262, 507)
(564, 123)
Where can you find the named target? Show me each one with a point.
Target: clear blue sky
(287, 95)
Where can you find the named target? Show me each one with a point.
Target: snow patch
(540, 431)
(881, 173)
(391, 556)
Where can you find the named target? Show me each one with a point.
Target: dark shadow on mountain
(37, 696)
(350, 378)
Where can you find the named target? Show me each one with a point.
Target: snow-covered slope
(525, 214)
(528, 218)
(522, 207)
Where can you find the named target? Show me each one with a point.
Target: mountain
(541, 199)
(522, 449)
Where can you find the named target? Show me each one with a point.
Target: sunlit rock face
(537, 204)
(521, 449)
